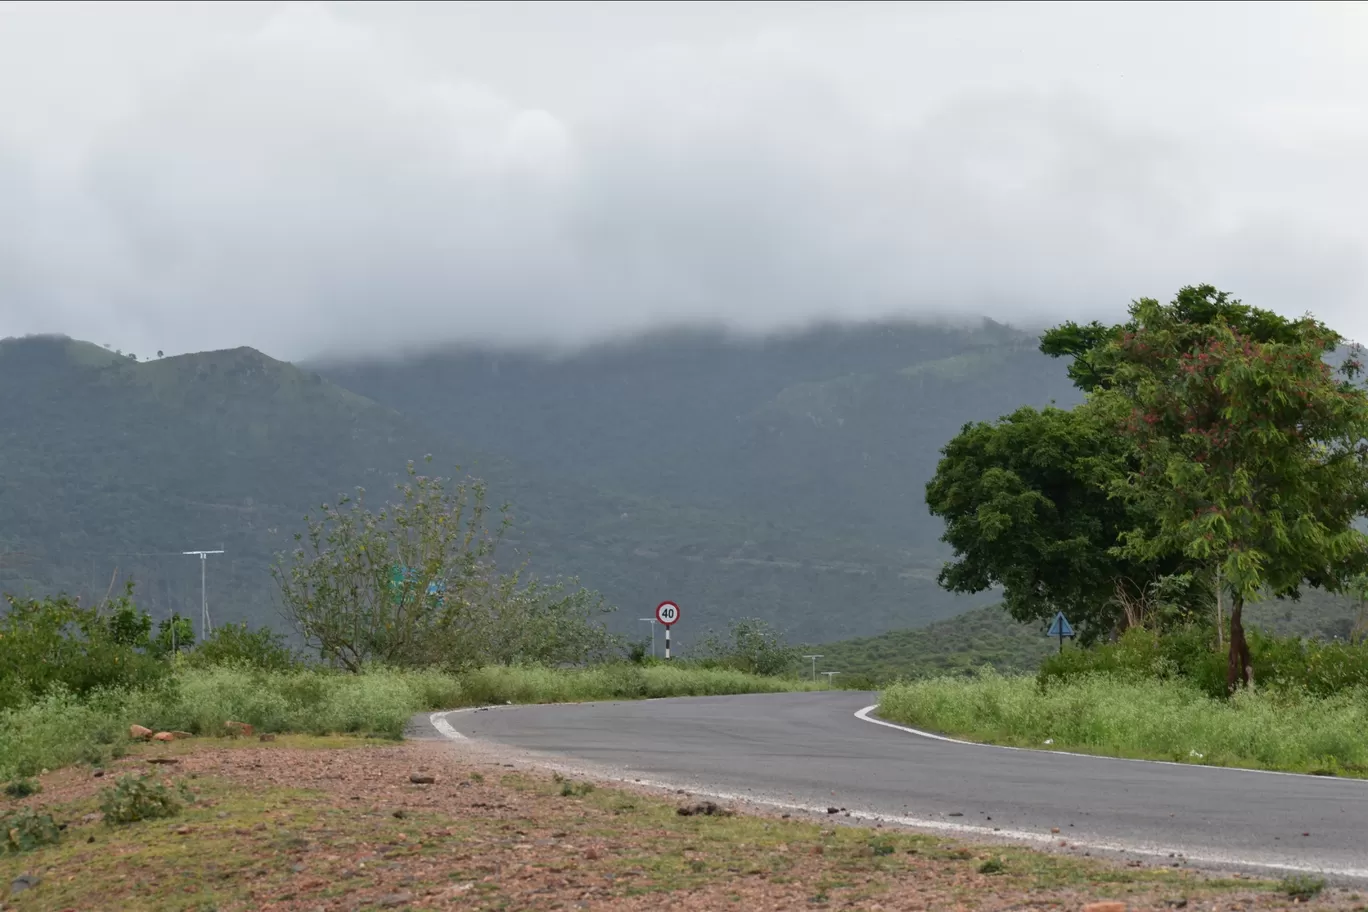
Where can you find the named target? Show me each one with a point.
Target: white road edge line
(444, 728)
(864, 716)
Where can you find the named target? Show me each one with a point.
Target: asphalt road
(809, 752)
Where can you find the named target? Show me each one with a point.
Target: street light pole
(830, 675)
(204, 594)
(814, 665)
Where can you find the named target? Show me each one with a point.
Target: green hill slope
(110, 465)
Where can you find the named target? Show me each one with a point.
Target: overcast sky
(320, 177)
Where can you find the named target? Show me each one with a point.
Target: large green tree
(1252, 453)
(1027, 506)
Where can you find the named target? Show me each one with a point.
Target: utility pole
(204, 596)
(652, 622)
(814, 665)
(830, 675)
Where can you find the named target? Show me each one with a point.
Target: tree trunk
(1220, 614)
(1238, 668)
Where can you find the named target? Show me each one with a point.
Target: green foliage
(753, 646)
(26, 829)
(732, 505)
(961, 645)
(1137, 716)
(1302, 887)
(1027, 508)
(58, 728)
(22, 788)
(1252, 454)
(54, 642)
(135, 798)
(235, 644)
(415, 584)
(1284, 663)
(992, 866)
(174, 634)
(1184, 654)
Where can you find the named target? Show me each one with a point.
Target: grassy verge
(59, 730)
(1144, 718)
(275, 827)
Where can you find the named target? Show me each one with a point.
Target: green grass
(59, 729)
(1136, 717)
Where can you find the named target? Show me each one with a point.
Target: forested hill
(835, 429)
(780, 478)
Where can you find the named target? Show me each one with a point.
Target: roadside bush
(414, 584)
(26, 829)
(55, 643)
(135, 798)
(235, 644)
(1312, 666)
(753, 646)
(22, 788)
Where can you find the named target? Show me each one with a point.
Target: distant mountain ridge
(778, 478)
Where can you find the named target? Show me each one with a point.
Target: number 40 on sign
(667, 613)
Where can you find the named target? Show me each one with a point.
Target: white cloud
(311, 177)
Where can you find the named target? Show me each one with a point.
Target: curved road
(808, 752)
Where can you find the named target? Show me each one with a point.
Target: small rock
(98, 774)
(90, 818)
(162, 761)
(182, 831)
(237, 729)
(391, 900)
(818, 850)
(163, 736)
(138, 733)
(591, 854)
(1105, 907)
(181, 735)
(23, 882)
(422, 779)
(1054, 829)
(955, 814)
(832, 810)
(90, 839)
(400, 814)
(266, 737)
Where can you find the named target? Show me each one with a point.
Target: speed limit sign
(667, 613)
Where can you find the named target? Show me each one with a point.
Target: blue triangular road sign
(1060, 627)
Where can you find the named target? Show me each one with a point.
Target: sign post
(1061, 628)
(667, 613)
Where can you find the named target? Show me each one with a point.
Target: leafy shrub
(54, 642)
(754, 647)
(1302, 887)
(415, 585)
(1287, 663)
(235, 644)
(22, 788)
(26, 829)
(135, 798)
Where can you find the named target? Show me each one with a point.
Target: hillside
(983, 637)
(112, 466)
(836, 428)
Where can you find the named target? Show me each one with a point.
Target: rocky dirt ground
(341, 824)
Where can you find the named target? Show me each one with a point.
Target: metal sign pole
(667, 613)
